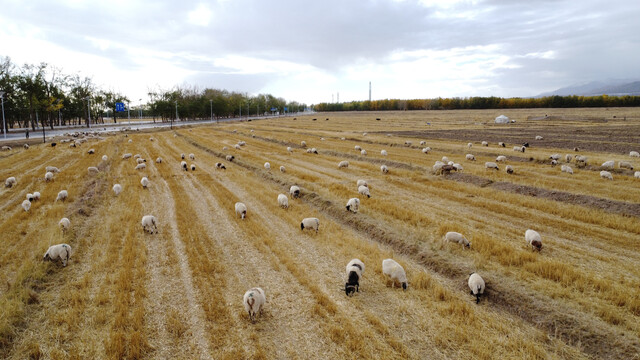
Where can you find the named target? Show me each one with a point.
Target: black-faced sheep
(476, 285)
(241, 209)
(533, 238)
(294, 191)
(355, 268)
(149, 224)
(310, 223)
(220, 166)
(353, 204)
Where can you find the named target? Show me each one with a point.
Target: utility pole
(211, 102)
(369, 91)
(4, 126)
(129, 112)
(88, 110)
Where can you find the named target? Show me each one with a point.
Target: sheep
(568, 157)
(230, 158)
(192, 157)
(364, 134)
(533, 238)
(539, 137)
(149, 224)
(289, 149)
(609, 164)
(501, 158)
(159, 160)
(363, 152)
(253, 301)
(383, 152)
(362, 183)
(458, 167)
(581, 160)
(407, 143)
(426, 150)
(625, 165)
(501, 144)
(144, 182)
(91, 151)
(140, 160)
(267, 166)
(64, 224)
(183, 165)
(357, 147)
(26, 205)
(484, 143)
(62, 195)
(58, 252)
(52, 169)
(294, 191)
(554, 162)
(363, 190)
(36, 196)
(130, 141)
(395, 271)
(634, 154)
(525, 145)
(182, 156)
(555, 157)
(606, 175)
(6, 148)
(193, 167)
(310, 223)
(469, 145)
(141, 166)
(303, 144)
(282, 169)
(314, 151)
(126, 156)
(343, 164)
(30, 197)
(384, 169)
(355, 268)
(241, 209)
(220, 166)
(567, 169)
(509, 169)
(519, 148)
(93, 170)
(445, 159)
(453, 236)
(283, 201)
(491, 165)
(437, 167)
(423, 143)
(636, 175)
(151, 139)
(241, 143)
(117, 189)
(476, 285)
(353, 204)
(470, 157)
(309, 151)
(11, 181)
(236, 146)
(137, 156)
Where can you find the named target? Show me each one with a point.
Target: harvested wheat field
(178, 293)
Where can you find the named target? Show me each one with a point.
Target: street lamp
(88, 98)
(211, 102)
(176, 101)
(4, 127)
(129, 112)
(140, 109)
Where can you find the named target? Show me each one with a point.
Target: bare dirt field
(178, 293)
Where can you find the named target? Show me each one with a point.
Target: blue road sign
(286, 108)
(119, 106)
(273, 109)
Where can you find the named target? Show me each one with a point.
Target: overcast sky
(308, 50)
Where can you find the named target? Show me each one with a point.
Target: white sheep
(445, 159)
(519, 148)
(357, 147)
(159, 160)
(220, 166)
(364, 134)
(283, 201)
(484, 143)
(470, 157)
(241, 209)
(343, 164)
(534, 239)
(230, 158)
(140, 160)
(267, 166)
(636, 175)
(151, 139)
(193, 167)
(581, 159)
(310, 223)
(137, 156)
(64, 224)
(144, 182)
(491, 165)
(141, 166)
(364, 190)
(362, 183)
(456, 237)
(149, 224)
(105, 158)
(383, 152)
(509, 169)
(58, 252)
(625, 165)
(426, 150)
(36, 196)
(192, 157)
(182, 156)
(314, 151)
(384, 169)
(555, 157)
(634, 154)
(11, 181)
(438, 166)
(26, 205)
(476, 285)
(458, 167)
(606, 175)
(92, 170)
(91, 151)
(303, 143)
(501, 144)
(353, 204)
(294, 191)
(130, 141)
(609, 164)
(62, 195)
(396, 272)
(117, 189)
(225, 148)
(282, 169)
(469, 145)
(567, 169)
(126, 156)
(501, 158)
(30, 197)
(363, 152)
(52, 169)
(253, 301)
(568, 158)
(289, 149)
(183, 165)
(407, 143)
(423, 143)
(539, 137)
(355, 268)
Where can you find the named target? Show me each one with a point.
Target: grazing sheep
(407, 143)
(606, 175)
(36, 196)
(567, 169)
(470, 157)
(509, 169)
(283, 201)
(353, 204)
(469, 145)
(355, 268)
(241, 209)
(6, 148)
(141, 166)
(636, 175)
(501, 144)
(149, 224)
(423, 143)
(625, 165)
(303, 144)
(309, 151)
(458, 167)
(364, 134)
(554, 162)
(445, 159)
(484, 143)
(437, 167)
(364, 190)
(609, 164)
(62, 195)
(539, 137)
(634, 154)
(282, 169)
(395, 271)
(230, 158)
(267, 166)
(151, 139)
(343, 164)
(533, 238)
(476, 285)
(294, 191)
(357, 147)
(501, 158)
(525, 145)
(383, 152)
(92, 170)
(183, 165)
(117, 189)
(314, 151)
(568, 157)
(52, 169)
(362, 183)
(220, 166)
(159, 160)
(192, 157)
(289, 149)
(140, 160)
(126, 156)
(91, 151)
(193, 167)
(64, 224)
(519, 148)
(453, 236)
(310, 223)
(105, 158)
(426, 150)
(130, 141)
(253, 301)
(491, 165)
(581, 160)
(182, 156)
(144, 182)
(58, 252)
(26, 205)
(555, 157)
(363, 152)
(384, 169)
(12, 181)
(30, 197)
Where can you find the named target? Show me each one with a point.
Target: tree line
(492, 102)
(41, 95)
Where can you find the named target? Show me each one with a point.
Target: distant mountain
(595, 88)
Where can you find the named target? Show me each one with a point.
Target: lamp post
(129, 112)
(176, 101)
(140, 110)
(89, 109)
(211, 103)
(4, 127)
